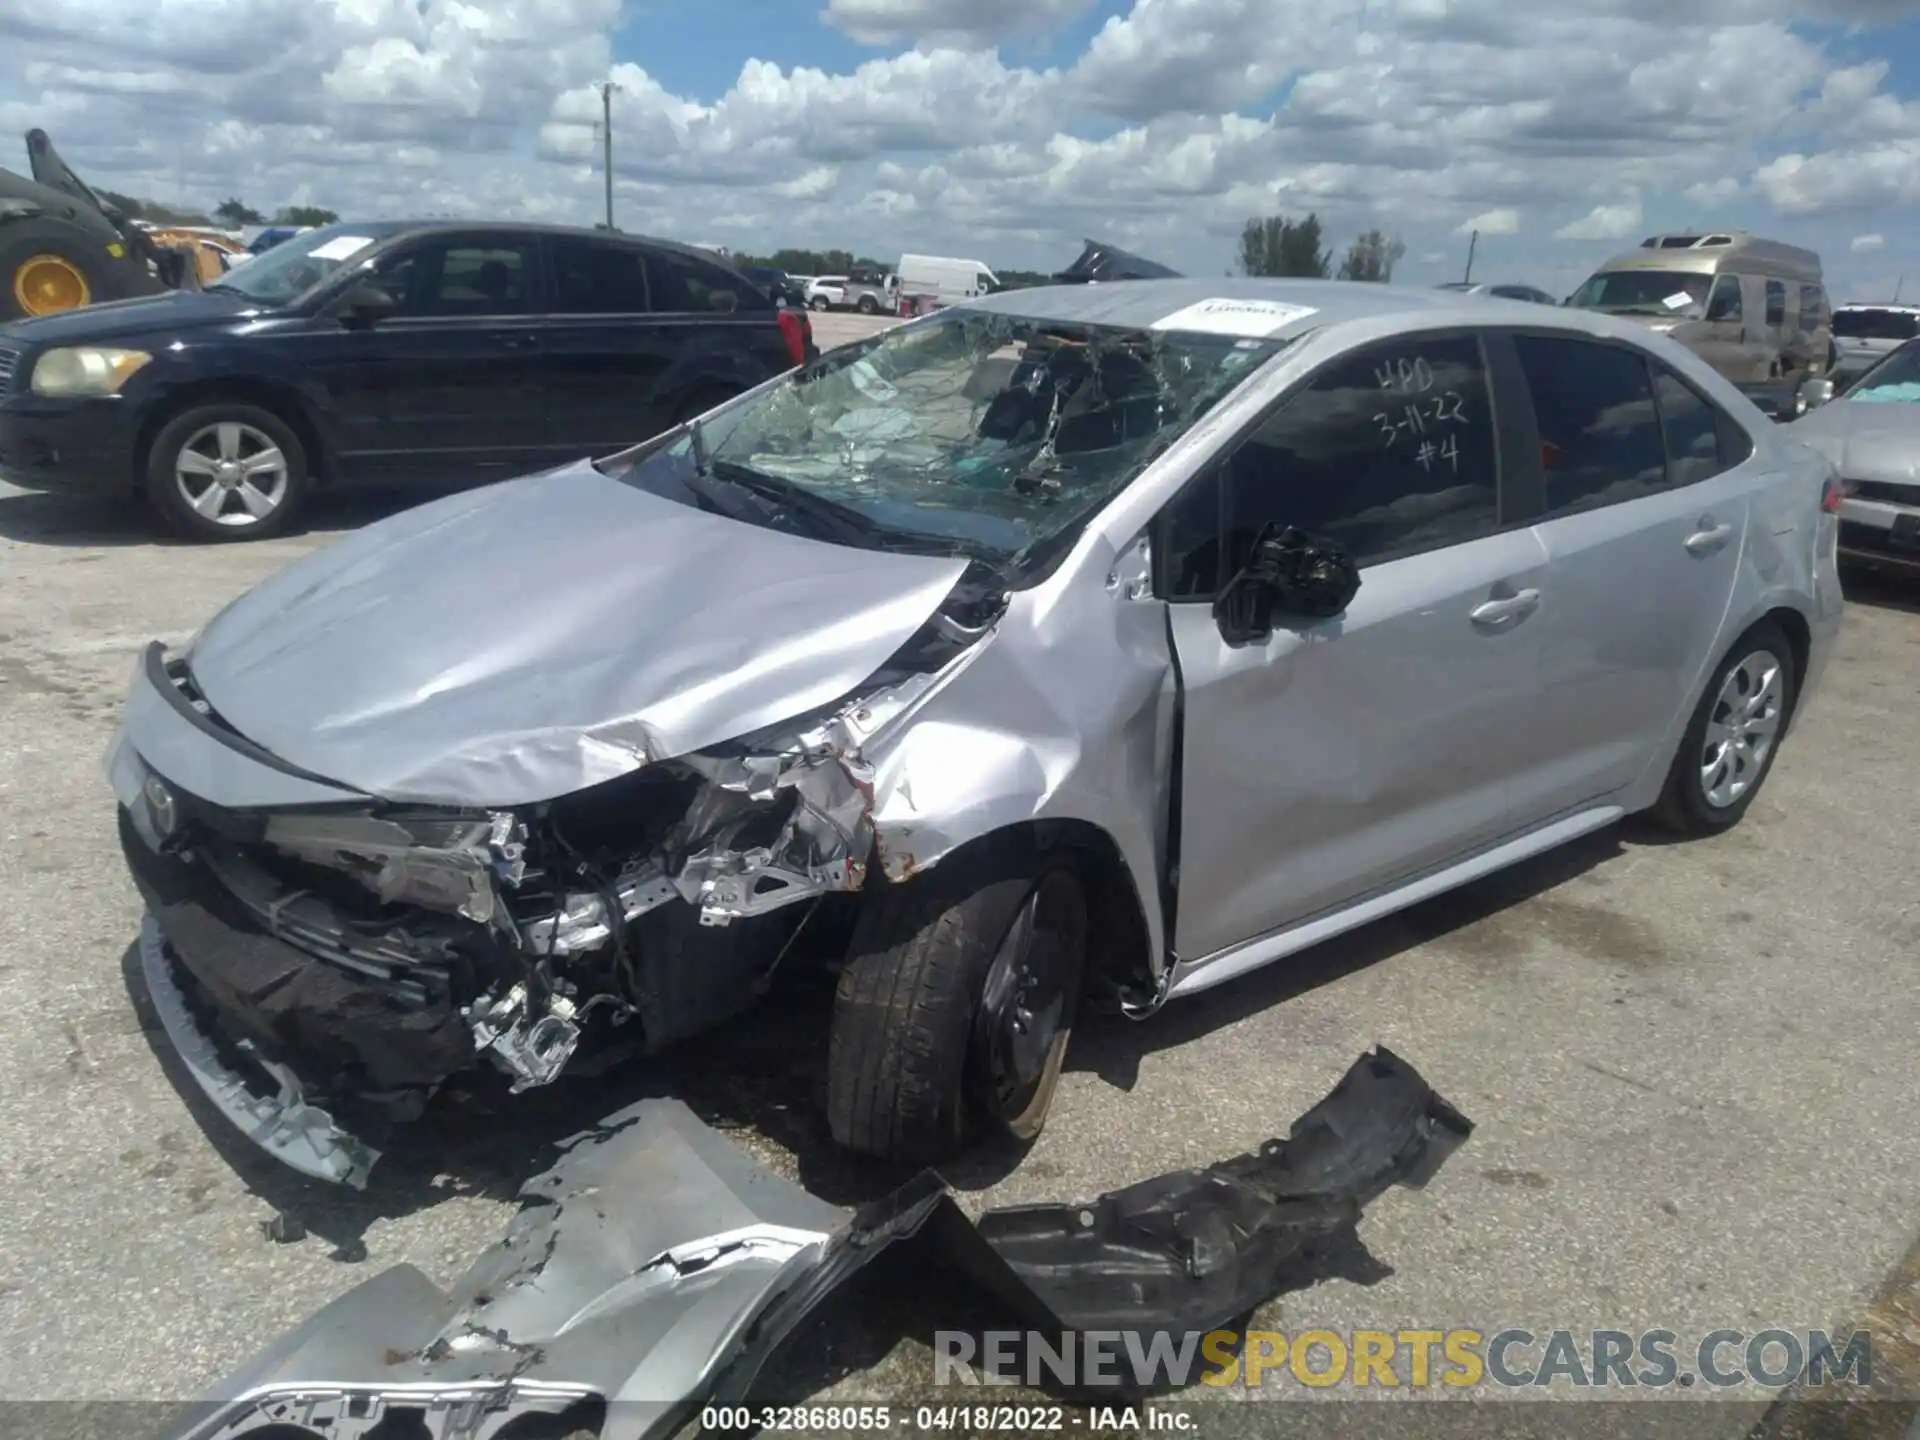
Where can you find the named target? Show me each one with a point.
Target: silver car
(1105, 641)
(1504, 292)
(1871, 433)
(1864, 335)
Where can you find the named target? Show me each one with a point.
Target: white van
(1756, 310)
(943, 279)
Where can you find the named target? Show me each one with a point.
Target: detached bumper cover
(282, 1124)
(656, 1269)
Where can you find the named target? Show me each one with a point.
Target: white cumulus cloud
(1162, 125)
(1491, 222)
(1604, 222)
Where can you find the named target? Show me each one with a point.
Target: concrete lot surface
(1692, 1066)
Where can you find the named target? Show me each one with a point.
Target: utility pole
(606, 89)
(1472, 241)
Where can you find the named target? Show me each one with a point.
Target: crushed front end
(326, 962)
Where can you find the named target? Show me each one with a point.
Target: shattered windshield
(1650, 292)
(1895, 378)
(971, 432)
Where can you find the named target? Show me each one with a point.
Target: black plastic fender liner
(658, 1269)
(1186, 1252)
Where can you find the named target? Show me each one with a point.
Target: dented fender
(1064, 713)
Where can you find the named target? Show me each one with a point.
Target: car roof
(387, 229)
(1144, 304)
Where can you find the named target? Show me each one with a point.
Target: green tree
(1372, 256)
(304, 215)
(1275, 245)
(235, 212)
(134, 208)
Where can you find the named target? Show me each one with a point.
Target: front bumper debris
(655, 1269)
(283, 1124)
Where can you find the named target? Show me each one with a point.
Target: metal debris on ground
(655, 1269)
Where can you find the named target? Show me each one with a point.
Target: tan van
(1755, 310)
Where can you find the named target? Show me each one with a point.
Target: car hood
(1866, 439)
(523, 641)
(119, 320)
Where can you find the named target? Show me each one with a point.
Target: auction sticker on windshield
(1233, 317)
(341, 246)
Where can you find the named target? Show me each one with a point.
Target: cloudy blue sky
(1008, 129)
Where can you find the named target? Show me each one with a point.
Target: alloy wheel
(1741, 729)
(231, 474)
(1027, 1005)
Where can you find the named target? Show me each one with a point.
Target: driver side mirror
(365, 304)
(1815, 390)
(1290, 573)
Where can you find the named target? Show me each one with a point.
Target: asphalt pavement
(1692, 1066)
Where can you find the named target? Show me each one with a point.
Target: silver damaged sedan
(1095, 643)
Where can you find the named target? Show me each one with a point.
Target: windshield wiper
(831, 519)
(830, 515)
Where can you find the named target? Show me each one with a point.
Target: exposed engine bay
(633, 913)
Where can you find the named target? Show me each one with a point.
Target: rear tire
(928, 1045)
(819, 304)
(207, 493)
(46, 267)
(1730, 743)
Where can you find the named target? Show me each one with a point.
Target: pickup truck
(871, 293)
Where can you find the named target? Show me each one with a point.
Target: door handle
(1708, 538)
(1503, 608)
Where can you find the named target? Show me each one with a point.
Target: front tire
(227, 471)
(868, 305)
(956, 1005)
(1731, 741)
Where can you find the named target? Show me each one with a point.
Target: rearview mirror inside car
(1289, 573)
(365, 303)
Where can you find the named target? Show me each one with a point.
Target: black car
(777, 285)
(394, 353)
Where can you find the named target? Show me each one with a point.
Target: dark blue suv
(443, 353)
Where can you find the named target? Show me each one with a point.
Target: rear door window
(1776, 302)
(1813, 307)
(594, 278)
(682, 285)
(1600, 434)
(1388, 451)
